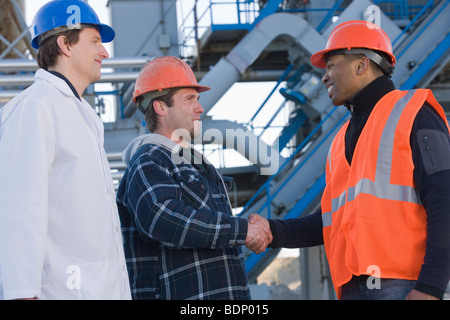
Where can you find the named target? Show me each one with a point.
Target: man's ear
(363, 65)
(159, 107)
(63, 46)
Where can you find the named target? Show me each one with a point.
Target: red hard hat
(165, 73)
(355, 34)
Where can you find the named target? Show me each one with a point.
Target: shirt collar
(365, 100)
(59, 75)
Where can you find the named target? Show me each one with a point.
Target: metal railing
(234, 14)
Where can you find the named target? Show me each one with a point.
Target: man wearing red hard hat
(384, 215)
(181, 238)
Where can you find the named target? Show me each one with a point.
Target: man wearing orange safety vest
(385, 212)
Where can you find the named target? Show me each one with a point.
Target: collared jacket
(181, 239)
(59, 227)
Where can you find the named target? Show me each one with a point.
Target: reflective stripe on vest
(381, 187)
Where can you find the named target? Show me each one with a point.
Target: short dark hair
(151, 118)
(49, 50)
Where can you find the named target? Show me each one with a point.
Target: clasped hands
(259, 235)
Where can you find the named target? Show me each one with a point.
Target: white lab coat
(60, 234)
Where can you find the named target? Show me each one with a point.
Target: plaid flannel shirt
(180, 237)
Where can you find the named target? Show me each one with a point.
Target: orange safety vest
(371, 212)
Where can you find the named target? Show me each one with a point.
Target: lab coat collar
(59, 75)
(56, 81)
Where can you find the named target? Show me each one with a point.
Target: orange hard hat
(163, 73)
(355, 34)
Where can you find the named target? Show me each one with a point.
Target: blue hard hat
(61, 15)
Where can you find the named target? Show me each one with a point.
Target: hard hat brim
(106, 33)
(202, 88)
(198, 88)
(319, 60)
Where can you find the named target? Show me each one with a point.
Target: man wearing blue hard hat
(60, 235)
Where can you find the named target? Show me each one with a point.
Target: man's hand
(417, 295)
(259, 235)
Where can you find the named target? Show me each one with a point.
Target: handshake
(259, 235)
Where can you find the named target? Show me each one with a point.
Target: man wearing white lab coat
(60, 234)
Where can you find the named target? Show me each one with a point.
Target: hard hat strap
(382, 62)
(375, 57)
(57, 30)
(149, 96)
